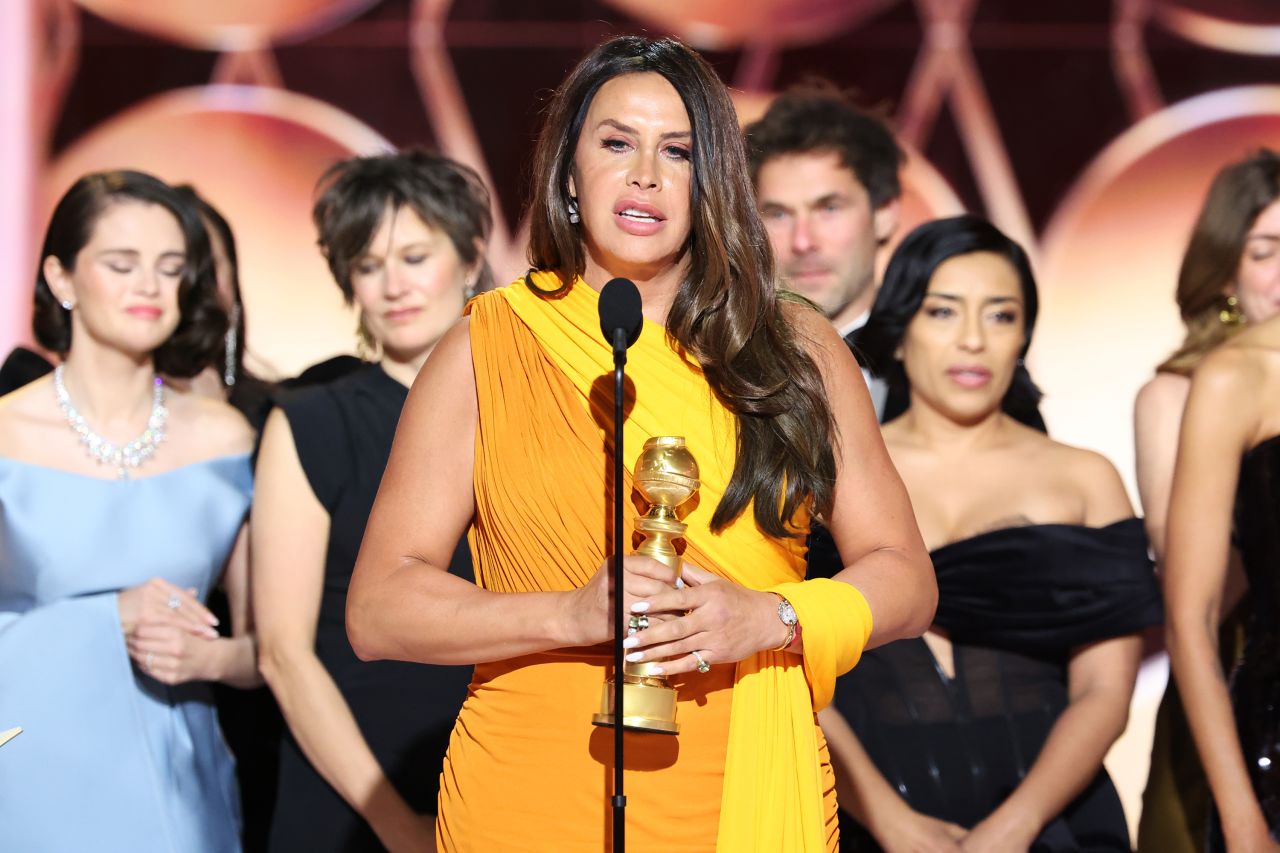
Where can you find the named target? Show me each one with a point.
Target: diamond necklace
(104, 452)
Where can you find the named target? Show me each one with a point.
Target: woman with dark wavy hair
(122, 502)
(989, 732)
(640, 172)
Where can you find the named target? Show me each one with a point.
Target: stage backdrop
(1087, 129)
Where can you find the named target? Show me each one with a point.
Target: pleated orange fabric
(526, 770)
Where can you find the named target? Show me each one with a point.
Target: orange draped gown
(526, 769)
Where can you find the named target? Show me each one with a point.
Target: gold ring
(703, 666)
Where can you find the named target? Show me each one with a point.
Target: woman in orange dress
(640, 173)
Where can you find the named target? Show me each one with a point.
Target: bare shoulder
(1163, 397)
(1100, 486)
(28, 413)
(221, 429)
(809, 323)
(820, 340)
(1236, 379)
(450, 361)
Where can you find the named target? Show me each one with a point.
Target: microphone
(621, 320)
(621, 317)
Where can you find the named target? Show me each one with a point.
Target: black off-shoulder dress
(1015, 603)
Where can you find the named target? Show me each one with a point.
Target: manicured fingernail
(640, 607)
(213, 620)
(630, 643)
(635, 657)
(657, 670)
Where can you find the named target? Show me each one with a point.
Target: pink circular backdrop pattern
(228, 24)
(717, 24)
(255, 154)
(1111, 257)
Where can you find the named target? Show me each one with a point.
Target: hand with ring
(158, 601)
(587, 613)
(711, 621)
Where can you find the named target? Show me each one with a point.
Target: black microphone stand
(619, 798)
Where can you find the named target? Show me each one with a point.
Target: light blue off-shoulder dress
(109, 759)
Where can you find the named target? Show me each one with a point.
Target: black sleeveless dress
(343, 432)
(1015, 603)
(1255, 684)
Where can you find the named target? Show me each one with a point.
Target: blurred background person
(228, 377)
(404, 235)
(122, 502)
(989, 732)
(1227, 483)
(1230, 277)
(826, 176)
(827, 186)
(250, 720)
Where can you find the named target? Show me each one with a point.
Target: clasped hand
(722, 621)
(168, 632)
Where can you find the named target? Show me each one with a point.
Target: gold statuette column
(666, 475)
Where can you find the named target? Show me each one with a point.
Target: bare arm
(865, 794)
(291, 530)
(872, 521)
(874, 528)
(1157, 421)
(1100, 679)
(1100, 682)
(1157, 415)
(176, 644)
(403, 603)
(1223, 414)
(236, 657)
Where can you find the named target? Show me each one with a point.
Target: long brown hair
(726, 314)
(1239, 193)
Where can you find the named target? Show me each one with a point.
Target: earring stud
(67, 304)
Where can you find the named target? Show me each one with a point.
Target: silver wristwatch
(787, 614)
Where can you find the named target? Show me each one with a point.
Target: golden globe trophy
(666, 476)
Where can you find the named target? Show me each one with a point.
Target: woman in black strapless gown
(988, 733)
(1233, 412)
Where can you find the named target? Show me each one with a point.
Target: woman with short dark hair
(404, 235)
(122, 502)
(1226, 282)
(640, 172)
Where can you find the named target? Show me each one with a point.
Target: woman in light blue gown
(122, 502)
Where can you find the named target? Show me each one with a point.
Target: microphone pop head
(620, 309)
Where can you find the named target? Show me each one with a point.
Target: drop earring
(1231, 315)
(367, 346)
(574, 216)
(232, 339)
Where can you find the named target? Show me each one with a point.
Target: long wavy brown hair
(1239, 193)
(727, 313)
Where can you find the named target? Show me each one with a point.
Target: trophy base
(650, 708)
